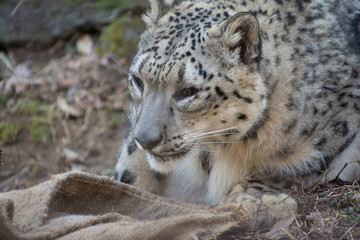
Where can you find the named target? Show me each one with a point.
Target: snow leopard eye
(185, 93)
(138, 83)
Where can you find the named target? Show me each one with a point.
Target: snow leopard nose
(150, 127)
(149, 144)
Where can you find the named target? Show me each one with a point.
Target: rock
(84, 45)
(121, 37)
(44, 21)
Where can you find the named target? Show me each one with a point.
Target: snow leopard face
(195, 81)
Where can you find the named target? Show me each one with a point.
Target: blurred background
(63, 92)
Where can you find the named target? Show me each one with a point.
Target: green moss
(115, 119)
(75, 2)
(102, 4)
(30, 107)
(350, 207)
(9, 132)
(3, 100)
(106, 4)
(121, 37)
(39, 129)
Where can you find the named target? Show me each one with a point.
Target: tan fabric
(83, 206)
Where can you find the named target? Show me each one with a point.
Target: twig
(17, 7)
(288, 234)
(6, 61)
(316, 186)
(347, 232)
(337, 176)
(307, 234)
(86, 123)
(67, 132)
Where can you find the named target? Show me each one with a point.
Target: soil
(89, 141)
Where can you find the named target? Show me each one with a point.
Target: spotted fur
(227, 91)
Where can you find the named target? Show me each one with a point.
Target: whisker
(116, 61)
(215, 135)
(128, 115)
(208, 133)
(200, 130)
(201, 149)
(218, 142)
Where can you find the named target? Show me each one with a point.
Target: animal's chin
(165, 163)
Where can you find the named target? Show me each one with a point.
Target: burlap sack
(83, 206)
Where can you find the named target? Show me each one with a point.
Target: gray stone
(44, 21)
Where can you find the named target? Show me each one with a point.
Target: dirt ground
(62, 110)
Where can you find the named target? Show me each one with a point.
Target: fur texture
(231, 91)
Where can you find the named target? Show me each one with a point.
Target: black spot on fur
(307, 132)
(172, 111)
(290, 126)
(159, 176)
(311, 18)
(354, 74)
(329, 158)
(252, 133)
(241, 116)
(341, 128)
(131, 147)
(291, 19)
(236, 94)
(206, 162)
(219, 91)
(255, 181)
(278, 61)
(259, 188)
(211, 76)
(128, 177)
(290, 105)
(181, 72)
(247, 100)
(231, 132)
(229, 79)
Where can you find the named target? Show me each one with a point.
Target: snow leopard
(243, 97)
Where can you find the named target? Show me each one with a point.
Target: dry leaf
(356, 196)
(72, 156)
(274, 233)
(67, 109)
(20, 79)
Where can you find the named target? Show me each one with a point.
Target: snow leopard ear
(158, 8)
(241, 33)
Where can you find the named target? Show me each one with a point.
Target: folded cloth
(83, 206)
